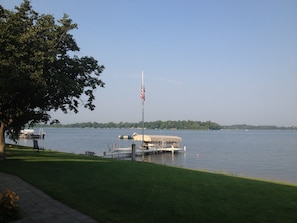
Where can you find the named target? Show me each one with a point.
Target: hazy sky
(227, 61)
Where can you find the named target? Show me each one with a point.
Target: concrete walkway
(37, 206)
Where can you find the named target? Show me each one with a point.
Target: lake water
(265, 154)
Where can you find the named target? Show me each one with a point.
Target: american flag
(142, 90)
(142, 93)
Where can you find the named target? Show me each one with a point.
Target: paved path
(39, 207)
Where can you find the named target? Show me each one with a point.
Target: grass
(123, 191)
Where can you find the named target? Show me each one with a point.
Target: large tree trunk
(2, 141)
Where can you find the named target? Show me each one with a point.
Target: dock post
(133, 152)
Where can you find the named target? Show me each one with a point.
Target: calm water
(261, 154)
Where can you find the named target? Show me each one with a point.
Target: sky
(225, 61)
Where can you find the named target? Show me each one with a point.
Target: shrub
(9, 210)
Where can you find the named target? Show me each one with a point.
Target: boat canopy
(157, 138)
(27, 131)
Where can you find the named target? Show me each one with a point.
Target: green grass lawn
(123, 191)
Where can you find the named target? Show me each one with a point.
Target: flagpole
(142, 130)
(143, 98)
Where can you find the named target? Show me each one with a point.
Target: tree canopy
(39, 71)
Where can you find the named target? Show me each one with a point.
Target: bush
(9, 210)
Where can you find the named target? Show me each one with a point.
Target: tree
(39, 71)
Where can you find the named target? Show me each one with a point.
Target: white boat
(159, 143)
(118, 152)
(30, 134)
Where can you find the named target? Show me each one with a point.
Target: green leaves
(38, 69)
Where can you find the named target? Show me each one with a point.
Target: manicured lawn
(123, 191)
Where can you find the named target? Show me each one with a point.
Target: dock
(128, 152)
(149, 144)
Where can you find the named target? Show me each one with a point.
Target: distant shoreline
(173, 125)
(259, 127)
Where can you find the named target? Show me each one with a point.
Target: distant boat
(30, 134)
(125, 136)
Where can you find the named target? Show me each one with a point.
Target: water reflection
(176, 159)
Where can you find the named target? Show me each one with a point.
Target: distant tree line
(258, 127)
(195, 125)
(198, 125)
